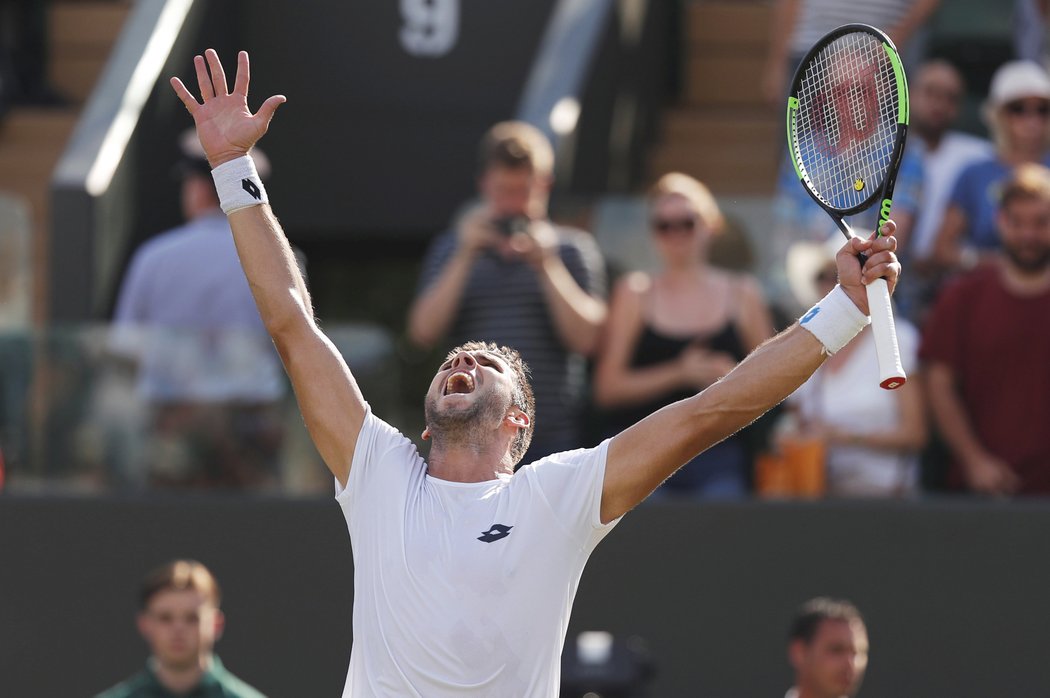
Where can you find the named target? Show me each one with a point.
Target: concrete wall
(955, 592)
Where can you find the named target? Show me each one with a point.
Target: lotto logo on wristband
(252, 188)
(810, 315)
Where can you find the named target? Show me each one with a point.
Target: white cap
(1017, 80)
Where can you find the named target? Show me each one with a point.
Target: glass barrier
(92, 409)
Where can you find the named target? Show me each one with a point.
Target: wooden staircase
(722, 131)
(81, 35)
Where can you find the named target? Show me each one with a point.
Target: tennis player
(465, 573)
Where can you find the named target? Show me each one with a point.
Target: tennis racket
(847, 118)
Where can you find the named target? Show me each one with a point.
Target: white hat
(805, 259)
(1017, 80)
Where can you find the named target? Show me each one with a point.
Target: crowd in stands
(973, 313)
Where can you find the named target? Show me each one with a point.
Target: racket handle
(891, 373)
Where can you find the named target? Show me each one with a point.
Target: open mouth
(459, 383)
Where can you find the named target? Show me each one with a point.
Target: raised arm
(328, 395)
(647, 453)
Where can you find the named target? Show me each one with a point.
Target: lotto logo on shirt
(495, 532)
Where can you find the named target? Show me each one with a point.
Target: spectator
(936, 95)
(985, 349)
(828, 649)
(180, 620)
(678, 331)
(506, 274)
(1018, 115)
(872, 437)
(208, 370)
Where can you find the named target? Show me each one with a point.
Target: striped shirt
(817, 17)
(504, 303)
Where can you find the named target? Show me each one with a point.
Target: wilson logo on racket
(855, 113)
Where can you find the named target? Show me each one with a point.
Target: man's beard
(467, 426)
(1030, 265)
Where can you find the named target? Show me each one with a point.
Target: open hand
(225, 126)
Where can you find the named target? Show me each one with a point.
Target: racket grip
(891, 373)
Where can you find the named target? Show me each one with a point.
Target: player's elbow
(287, 321)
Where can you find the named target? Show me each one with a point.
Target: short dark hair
(516, 145)
(523, 398)
(815, 611)
(179, 575)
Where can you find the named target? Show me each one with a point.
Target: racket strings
(846, 121)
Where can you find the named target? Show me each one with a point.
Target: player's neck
(468, 462)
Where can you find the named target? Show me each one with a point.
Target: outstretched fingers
(268, 108)
(187, 98)
(218, 75)
(240, 84)
(203, 80)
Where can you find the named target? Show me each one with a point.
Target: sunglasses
(1042, 109)
(666, 226)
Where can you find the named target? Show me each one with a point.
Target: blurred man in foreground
(180, 620)
(828, 649)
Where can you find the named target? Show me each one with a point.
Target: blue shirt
(187, 314)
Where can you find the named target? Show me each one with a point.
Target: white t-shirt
(851, 398)
(464, 589)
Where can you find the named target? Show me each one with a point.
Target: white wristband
(238, 185)
(834, 320)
